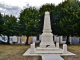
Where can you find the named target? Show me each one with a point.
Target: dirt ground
(15, 52)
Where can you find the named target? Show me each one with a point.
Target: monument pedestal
(47, 40)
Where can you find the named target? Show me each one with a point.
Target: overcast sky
(14, 6)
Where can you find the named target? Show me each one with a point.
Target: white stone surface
(57, 45)
(65, 48)
(62, 39)
(57, 39)
(27, 53)
(40, 37)
(32, 50)
(51, 57)
(47, 36)
(14, 38)
(11, 40)
(34, 38)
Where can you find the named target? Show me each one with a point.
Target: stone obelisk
(47, 36)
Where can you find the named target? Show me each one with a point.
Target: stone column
(47, 36)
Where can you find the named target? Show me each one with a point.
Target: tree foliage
(1, 23)
(29, 22)
(43, 8)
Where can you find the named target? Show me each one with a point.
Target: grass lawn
(15, 52)
(74, 49)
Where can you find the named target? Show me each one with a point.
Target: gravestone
(18, 39)
(14, 39)
(30, 40)
(55, 38)
(34, 38)
(11, 40)
(75, 40)
(24, 39)
(0, 38)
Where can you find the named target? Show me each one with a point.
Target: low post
(64, 48)
(32, 48)
(57, 45)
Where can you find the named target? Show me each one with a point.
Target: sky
(15, 6)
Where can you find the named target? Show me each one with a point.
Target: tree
(29, 22)
(1, 23)
(9, 26)
(66, 18)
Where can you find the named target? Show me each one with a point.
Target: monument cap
(47, 12)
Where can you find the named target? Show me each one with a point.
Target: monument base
(47, 45)
(28, 53)
(48, 50)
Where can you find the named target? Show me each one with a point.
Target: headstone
(75, 40)
(0, 38)
(3, 37)
(6, 38)
(34, 38)
(11, 40)
(30, 40)
(23, 39)
(57, 39)
(14, 38)
(18, 39)
(63, 39)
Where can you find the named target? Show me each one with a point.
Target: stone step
(47, 49)
(51, 57)
(55, 52)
